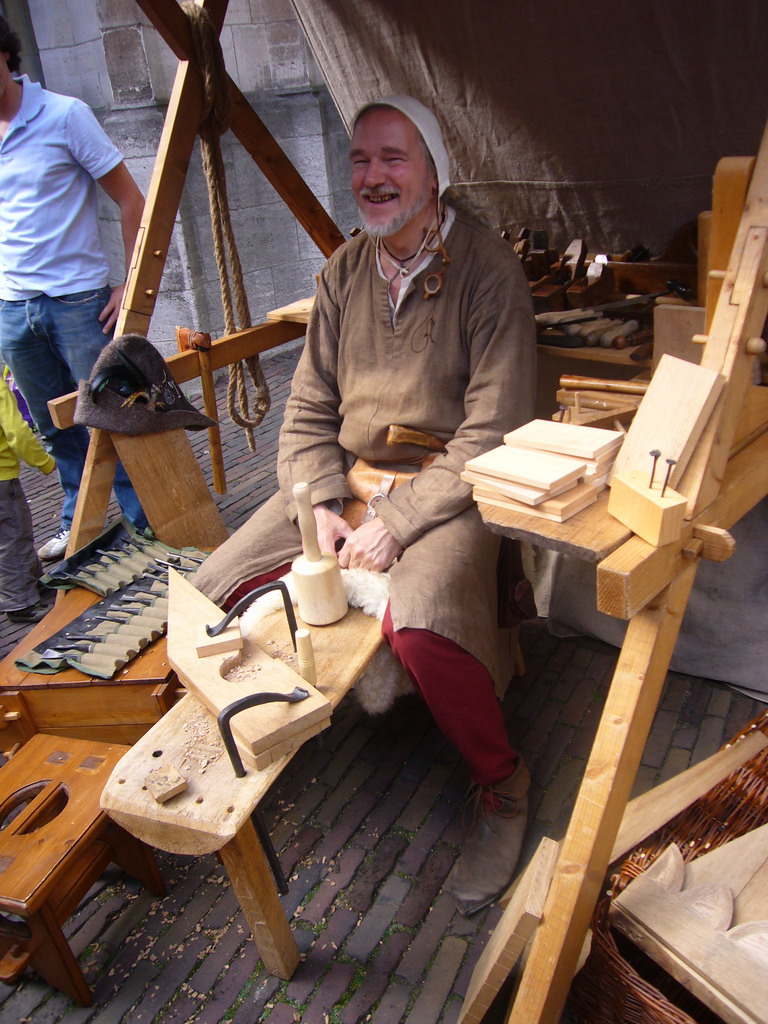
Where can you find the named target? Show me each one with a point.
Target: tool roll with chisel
(130, 573)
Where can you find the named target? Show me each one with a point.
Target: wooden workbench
(214, 813)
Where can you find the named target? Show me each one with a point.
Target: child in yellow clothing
(20, 567)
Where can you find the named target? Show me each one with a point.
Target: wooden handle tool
(306, 655)
(317, 576)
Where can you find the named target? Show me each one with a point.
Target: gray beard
(398, 222)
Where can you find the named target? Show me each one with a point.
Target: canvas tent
(594, 120)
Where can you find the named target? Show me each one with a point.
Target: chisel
(151, 630)
(105, 647)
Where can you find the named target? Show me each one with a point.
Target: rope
(215, 120)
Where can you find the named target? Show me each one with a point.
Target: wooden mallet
(317, 576)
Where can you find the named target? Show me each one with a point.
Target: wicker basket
(618, 983)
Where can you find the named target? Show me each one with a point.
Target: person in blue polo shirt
(57, 310)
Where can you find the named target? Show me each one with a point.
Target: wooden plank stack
(547, 469)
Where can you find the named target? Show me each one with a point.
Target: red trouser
(458, 690)
(456, 687)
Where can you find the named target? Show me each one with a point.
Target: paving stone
(711, 737)
(363, 999)
(335, 882)
(433, 828)
(676, 761)
(336, 983)
(283, 1014)
(250, 1009)
(346, 825)
(390, 951)
(392, 1004)
(378, 866)
(374, 924)
(659, 738)
(423, 947)
(429, 1004)
(385, 814)
(431, 878)
(563, 785)
(420, 804)
(343, 793)
(719, 701)
(299, 848)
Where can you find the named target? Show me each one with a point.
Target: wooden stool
(54, 849)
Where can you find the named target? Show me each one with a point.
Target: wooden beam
(729, 192)
(251, 131)
(95, 490)
(650, 811)
(608, 779)
(739, 316)
(162, 203)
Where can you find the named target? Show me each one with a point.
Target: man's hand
(370, 546)
(108, 315)
(330, 528)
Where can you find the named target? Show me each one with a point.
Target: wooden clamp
(200, 342)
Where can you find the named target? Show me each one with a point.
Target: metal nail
(670, 463)
(654, 453)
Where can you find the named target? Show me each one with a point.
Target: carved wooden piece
(214, 682)
(692, 921)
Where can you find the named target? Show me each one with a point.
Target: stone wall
(107, 53)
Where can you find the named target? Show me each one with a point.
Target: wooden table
(214, 813)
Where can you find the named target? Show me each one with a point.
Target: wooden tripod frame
(184, 513)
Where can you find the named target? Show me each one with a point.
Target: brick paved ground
(367, 820)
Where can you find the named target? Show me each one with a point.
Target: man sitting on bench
(423, 320)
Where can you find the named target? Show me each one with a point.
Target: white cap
(427, 126)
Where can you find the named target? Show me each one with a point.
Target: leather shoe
(491, 851)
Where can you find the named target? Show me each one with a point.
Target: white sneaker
(55, 547)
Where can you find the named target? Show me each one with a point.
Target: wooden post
(608, 778)
(251, 878)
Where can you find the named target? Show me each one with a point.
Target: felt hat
(132, 391)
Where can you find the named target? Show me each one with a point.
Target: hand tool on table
(128, 648)
(145, 614)
(624, 329)
(124, 573)
(100, 665)
(101, 583)
(409, 435)
(174, 565)
(105, 629)
(151, 629)
(129, 561)
(317, 576)
(157, 617)
(160, 604)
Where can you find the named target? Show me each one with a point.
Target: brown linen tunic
(460, 366)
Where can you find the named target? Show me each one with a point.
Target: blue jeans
(49, 345)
